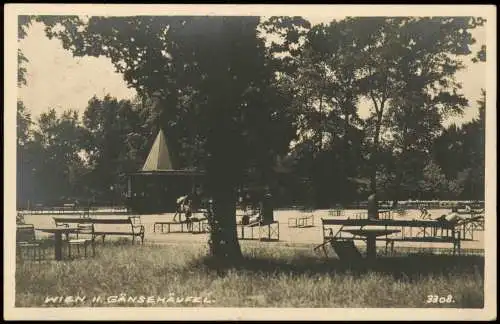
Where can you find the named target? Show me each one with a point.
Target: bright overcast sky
(56, 79)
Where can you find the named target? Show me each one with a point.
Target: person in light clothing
(182, 206)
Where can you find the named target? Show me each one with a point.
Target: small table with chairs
(58, 241)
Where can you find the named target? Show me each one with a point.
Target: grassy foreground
(271, 276)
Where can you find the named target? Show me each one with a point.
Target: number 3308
(435, 299)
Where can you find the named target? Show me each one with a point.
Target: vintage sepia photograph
(250, 162)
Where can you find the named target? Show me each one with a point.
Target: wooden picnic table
(371, 237)
(58, 232)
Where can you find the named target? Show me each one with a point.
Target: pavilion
(157, 185)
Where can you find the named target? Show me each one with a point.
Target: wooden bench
(454, 239)
(302, 221)
(135, 229)
(385, 214)
(265, 231)
(336, 212)
(362, 215)
(194, 226)
(69, 206)
(169, 228)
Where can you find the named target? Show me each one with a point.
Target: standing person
(192, 206)
(180, 202)
(248, 201)
(372, 207)
(240, 199)
(245, 220)
(266, 209)
(210, 212)
(195, 199)
(188, 211)
(243, 199)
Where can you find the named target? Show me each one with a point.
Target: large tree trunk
(379, 108)
(224, 245)
(223, 171)
(397, 186)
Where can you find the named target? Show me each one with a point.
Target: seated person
(424, 213)
(20, 219)
(248, 203)
(266, 208)
(255, 219)
(245, 220)
(451, 217)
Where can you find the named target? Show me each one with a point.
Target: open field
(274, 274)
(269, 276)
(305, 237)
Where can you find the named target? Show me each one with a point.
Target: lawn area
(270, 276)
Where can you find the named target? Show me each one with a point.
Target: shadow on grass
(408, 267)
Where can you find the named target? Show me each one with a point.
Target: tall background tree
(117, 134)
(213, 67)
(403, 68)
(460, 152)
(54, 160)
(410, 64)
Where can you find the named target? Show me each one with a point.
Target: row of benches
(136, 229)
(254, 231)
(416, 204)
(71, 209)
(133, 226)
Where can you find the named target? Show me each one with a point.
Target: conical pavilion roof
(159, 157)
